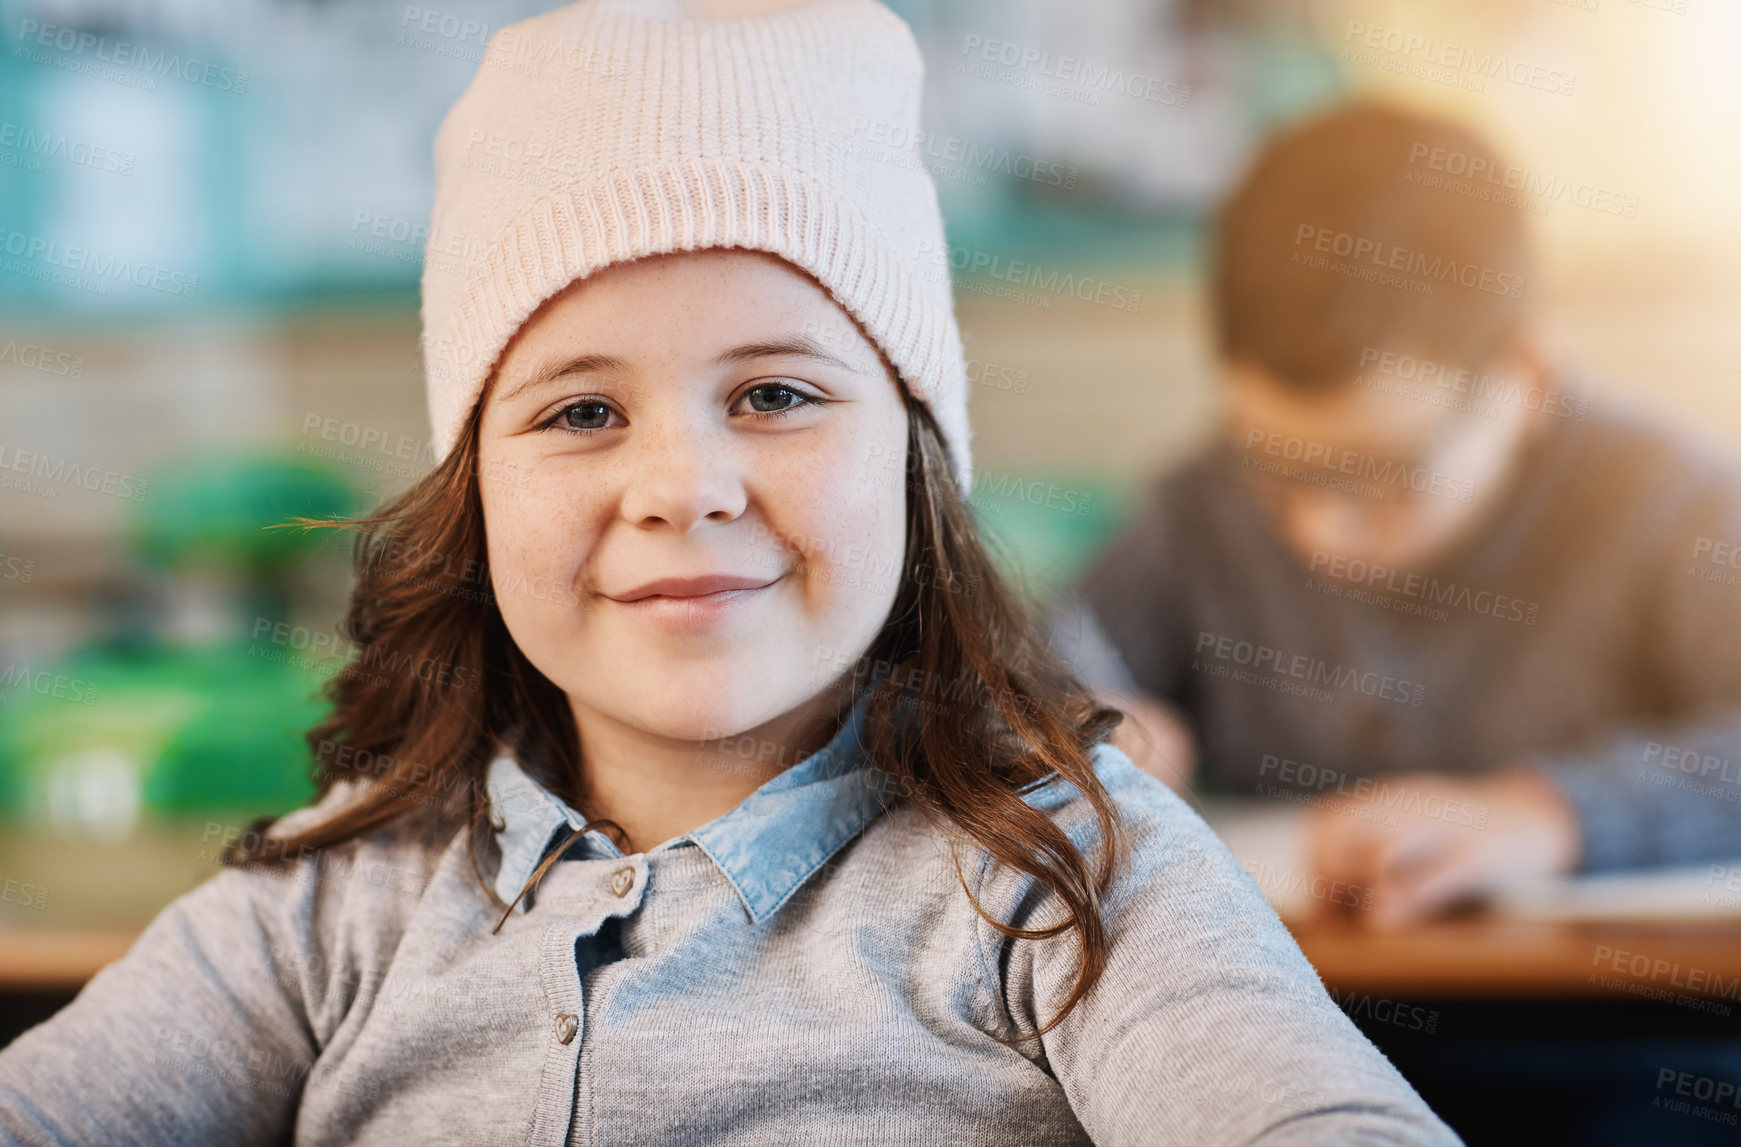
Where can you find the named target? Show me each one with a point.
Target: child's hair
(970, 709)
(1370, 229)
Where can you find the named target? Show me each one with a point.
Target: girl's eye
(767, 400)
(585, 414)
(776, 398)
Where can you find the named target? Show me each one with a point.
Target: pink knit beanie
(610, 130)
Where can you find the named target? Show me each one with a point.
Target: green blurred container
(133, 725)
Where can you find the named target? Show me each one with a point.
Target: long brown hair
(976, 712)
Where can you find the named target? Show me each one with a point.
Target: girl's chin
(702, 705)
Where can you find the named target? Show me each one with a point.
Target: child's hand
(1424, 842)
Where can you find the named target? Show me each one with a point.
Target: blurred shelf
(66, 885)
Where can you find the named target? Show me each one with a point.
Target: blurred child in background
(1484, 628)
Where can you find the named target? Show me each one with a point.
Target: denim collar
(766, 847)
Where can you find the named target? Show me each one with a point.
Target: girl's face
(692, 471)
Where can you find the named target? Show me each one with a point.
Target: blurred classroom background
(211, 218)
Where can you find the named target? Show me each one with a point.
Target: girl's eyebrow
(581, 364)
(799, 346)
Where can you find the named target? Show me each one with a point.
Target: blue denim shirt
(807, 968)
(766, 847)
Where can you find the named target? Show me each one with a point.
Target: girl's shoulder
(1162, 841)
(1168, 861)
(322, 924)
(1152, 817)
(363, 889)
(391, 862)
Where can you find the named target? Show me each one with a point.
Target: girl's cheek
(858, 511)
(527, 530)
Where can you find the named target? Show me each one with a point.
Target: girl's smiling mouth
(691, 600)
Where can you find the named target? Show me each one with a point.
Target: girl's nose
(684, 477)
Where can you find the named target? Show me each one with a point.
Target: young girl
(697, 781)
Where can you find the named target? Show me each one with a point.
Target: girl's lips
(693, 601)
(691, 587)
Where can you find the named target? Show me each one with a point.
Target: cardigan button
(622, 880)
(566, 1025)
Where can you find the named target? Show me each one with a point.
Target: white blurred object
(1685, 893)
(1270, 844)
(95, 792)
(1056, 83)
(203, 608)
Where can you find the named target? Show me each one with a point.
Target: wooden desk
(58, 959)
(1498, 959)
(1468, 959)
